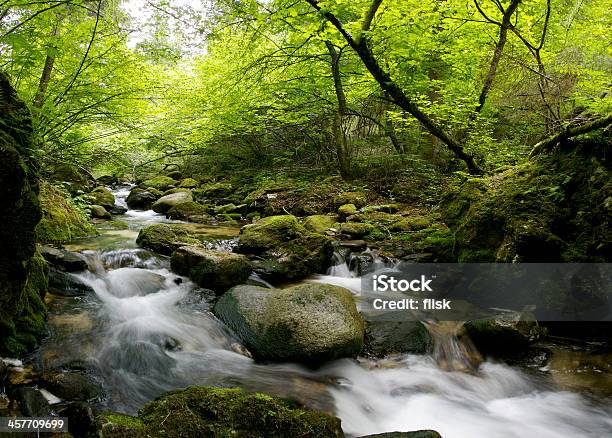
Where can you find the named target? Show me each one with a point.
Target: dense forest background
(369, 89)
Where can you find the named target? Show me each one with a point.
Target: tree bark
(385, 81)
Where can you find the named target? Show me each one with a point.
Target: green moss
(359, 199)
(411, 224)
(356, 229)
(320, 223)
(347, 210)
(189, 183)
(269, 232)
(159, 183)
(165, 238)
(217, 190)
(102, 196)
(189, 211)
(28, 325)
(225, 413)
(61, 220)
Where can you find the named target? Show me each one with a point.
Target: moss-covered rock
(102, 196)
(217, 190)
(141, 199)
(61, 220)
(166, 203)
(347, 210)
(505, 335)
(189, 183)
(190, 211)
(359, 199)
(159, 183)
(175, 190)
(320, 223)
(285, 250)
(417, 223)
(219, 413)
(213, 270)
(23, 280)
(308, 323)
(384, 336)
(384, 208)
(165, 238)
(99, 212)
(356, 230)
(549, 210)
(176, 175)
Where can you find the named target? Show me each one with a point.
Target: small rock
(67, 285)
(118, 210)
(99, 212)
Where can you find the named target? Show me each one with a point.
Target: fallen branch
(569, 132)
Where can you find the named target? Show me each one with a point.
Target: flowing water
(147, 330)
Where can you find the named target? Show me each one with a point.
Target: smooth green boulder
(189, 183)
(347, 210)
(166, 203)
(356, 230)
(99, 212)
(198, 412)
(165, 238)
(214, 270)
(308, 323)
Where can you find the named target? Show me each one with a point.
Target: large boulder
(141, 199)
(65, 260)
(99, 212)
(102, 196)
(385, 336)
(552, 209)
(285, 250)
(159, 183)
(214, 270)
(166, 203)
(308, 323)
(23, 280)
(165, 238)
(504, 335)
(190, 211)
(219, 412)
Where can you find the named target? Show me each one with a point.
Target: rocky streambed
(129, 322)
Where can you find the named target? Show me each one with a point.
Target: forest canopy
(463, 85)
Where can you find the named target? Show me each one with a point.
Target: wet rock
(387, 337)
(190, 211)
(103, 197)
(159, 183)
(32, 403)
(320, 223)
(416, 434)
(141, 358)
(130, 282)
(165, 203)
(140, 199)
(65, 260)
(214, 270)
(285, 250)
(81, 419)
(99, 212)
(71, 386)
(165, 238)
(219, 412)
(505, 335)
(309, 323)
(66, 285)
(118, 210)
(361, 263)
(107, 180)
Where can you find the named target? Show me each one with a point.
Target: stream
(147, 330)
